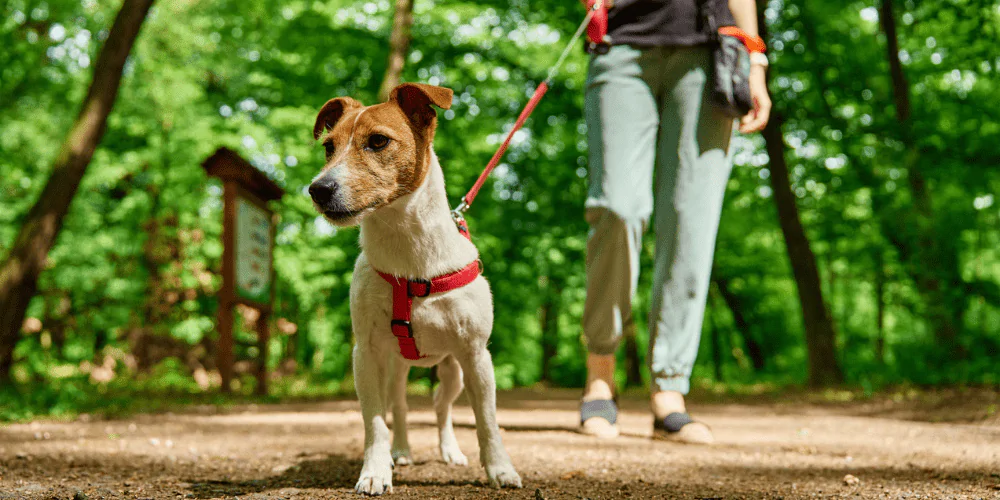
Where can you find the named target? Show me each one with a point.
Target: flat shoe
(681, 428)
(598, 417)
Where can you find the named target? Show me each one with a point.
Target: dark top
(659, 23)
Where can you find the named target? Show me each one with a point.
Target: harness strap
(405, 290)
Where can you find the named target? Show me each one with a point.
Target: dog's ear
(330, 114)
(415, 99)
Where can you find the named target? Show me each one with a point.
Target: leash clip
(456, 214)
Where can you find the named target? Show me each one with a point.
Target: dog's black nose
(322, 192)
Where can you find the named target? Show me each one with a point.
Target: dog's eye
(377, 142)
(329, 149)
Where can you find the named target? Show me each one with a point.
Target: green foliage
(132, 280)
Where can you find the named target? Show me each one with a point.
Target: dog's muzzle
(323, 192)
(329, 199)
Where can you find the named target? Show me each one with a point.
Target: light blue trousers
(647, 114)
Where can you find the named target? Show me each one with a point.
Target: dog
(382, 174)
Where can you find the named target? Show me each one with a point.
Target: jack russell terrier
(417, 295)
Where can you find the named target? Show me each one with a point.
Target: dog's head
(374, 154)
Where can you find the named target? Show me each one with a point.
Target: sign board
(254, 244)
(247, 252)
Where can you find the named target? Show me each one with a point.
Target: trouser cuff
(678, 383)
(603, 348)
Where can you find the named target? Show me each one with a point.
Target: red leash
(405, 290)
(525, 113)
(596, 8)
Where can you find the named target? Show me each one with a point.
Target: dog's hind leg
(370, 379)
(479, 379)
(450, 374)
(399, 373)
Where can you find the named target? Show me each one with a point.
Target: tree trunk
(550, 329)
(981, 320)
(633, 363)
(821, 338)
(832, 293)
(900, 86)
(543, 323)
(742, 325)
(930, 260)
(304, 348)
(19, 272)
(880, 305)
(934, 263)
(824, 368)
(399, 44)
(716, 341)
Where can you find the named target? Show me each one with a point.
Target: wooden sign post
(247, 256)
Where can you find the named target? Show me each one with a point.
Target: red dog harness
(405, 290)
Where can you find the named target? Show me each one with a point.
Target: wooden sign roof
(227, 165)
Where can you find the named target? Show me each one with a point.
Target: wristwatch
(759, 58)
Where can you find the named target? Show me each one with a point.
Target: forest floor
(944, 447)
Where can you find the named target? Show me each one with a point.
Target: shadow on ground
(332, 472)
(329, 472)
(336, 472)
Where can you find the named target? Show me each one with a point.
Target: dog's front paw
(401, 457)
(374, 481)
(453, 456)
(503, 476)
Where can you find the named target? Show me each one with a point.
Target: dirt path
(314, 451)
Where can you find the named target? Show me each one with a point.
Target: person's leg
(693, 166)
(622, 119)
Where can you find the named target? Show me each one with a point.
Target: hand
(757, 118)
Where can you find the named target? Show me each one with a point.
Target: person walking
(649, 118)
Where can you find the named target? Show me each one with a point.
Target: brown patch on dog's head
(331, 113)
(375, 154)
